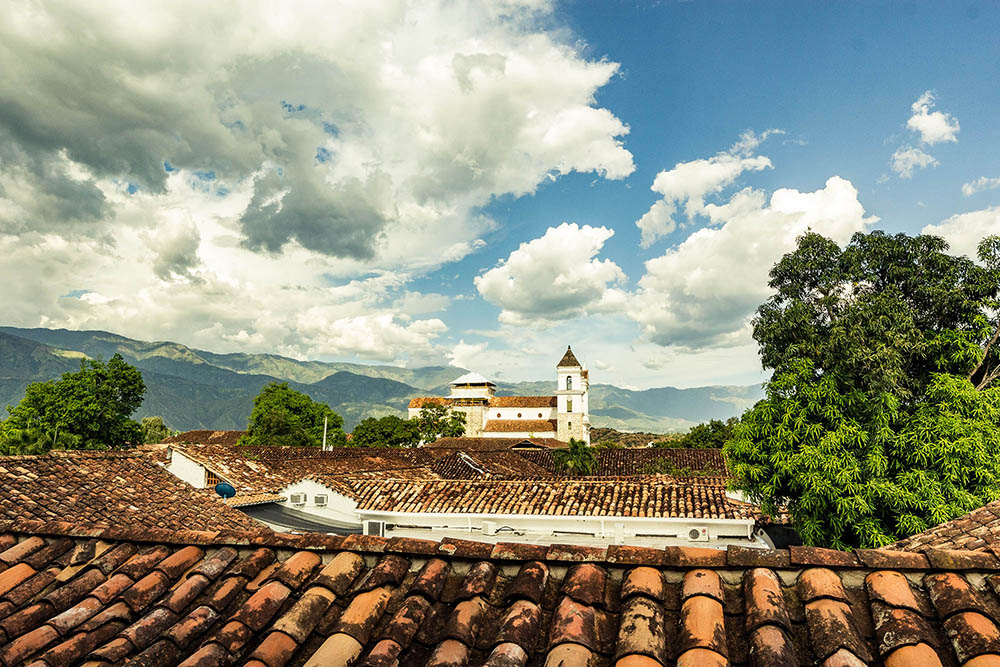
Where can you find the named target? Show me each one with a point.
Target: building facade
(562, 416)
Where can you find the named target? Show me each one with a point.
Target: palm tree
(577, 459)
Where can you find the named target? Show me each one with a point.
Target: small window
(211, 479)
(569, 382)
(498, 415)
(569, 424)
(518, 415)
(539, 415)
(569, 405)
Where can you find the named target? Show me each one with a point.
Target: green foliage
(86, 409)
(440, 421)
(282, 416)
(389, 431)
(880, 419)
(155, 430)
(608, 444)
(576, 459)
(710, 435)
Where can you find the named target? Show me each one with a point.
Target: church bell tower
(572, 397)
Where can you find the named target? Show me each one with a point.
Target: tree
(881, 418)
(576, 459)
(87, 409)
(437, 420)
(155, 430)
(389, 431)
(710, 435)
(282, 416)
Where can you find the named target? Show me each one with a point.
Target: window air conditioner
(375, 528)
(298, 498)
(699, 534)
(320, 500)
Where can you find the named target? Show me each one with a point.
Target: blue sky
(477, 202)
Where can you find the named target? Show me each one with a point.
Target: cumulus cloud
(933, 126)
(980, 184)
(688, 183)
(554, 277)
(908, 158)
(703, 293)
(964, 231)
(255, 155)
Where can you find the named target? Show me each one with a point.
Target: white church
(562, 416)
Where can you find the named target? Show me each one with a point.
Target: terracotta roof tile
(977, 530)
(523, 402)
(520, 426)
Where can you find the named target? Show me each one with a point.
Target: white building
(564, 415)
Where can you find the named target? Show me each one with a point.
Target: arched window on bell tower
(569, 382)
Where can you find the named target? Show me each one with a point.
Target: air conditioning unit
(698, 534)
(489, 527)
(320, 500)
(298, 498)
(375, 528)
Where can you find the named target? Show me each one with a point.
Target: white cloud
(555, 277)
(306, 144)
(908, 158)
(934, 126)
(964, 231)
(703, 293)
(688, 183)
(980, 184)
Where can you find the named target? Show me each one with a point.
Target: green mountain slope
(193, 388)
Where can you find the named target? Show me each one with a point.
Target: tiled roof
(654, 497)
(976, 530)
(421, 401)
(248, 499)
(568, 359)
(493, 444)
(71, 597)
(269, 469)
(641, 460)
(520, 426)
(523, 402)
(207, 437)
(479, 465)
(109, 488)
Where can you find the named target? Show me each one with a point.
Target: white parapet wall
(186, 469)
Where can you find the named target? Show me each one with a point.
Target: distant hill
(195, 389)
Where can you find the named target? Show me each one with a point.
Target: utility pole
(324, 433)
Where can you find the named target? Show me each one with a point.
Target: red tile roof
(421, 401)
(480, 465)
(109, 488)
(207, 437)
(625, 461)
(979, 529)
(520, 426)
(523, 402)
(70, 597)
(654, 496)
(494, 444)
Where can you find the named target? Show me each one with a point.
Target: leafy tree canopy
(440, 421)
(154, 429)
(710, 435)
(87, 409)
(389, 431)
(282, 416)
(881, 418)
(576, 459)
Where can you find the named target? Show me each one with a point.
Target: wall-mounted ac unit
(298, 498)
(698, 534)
(375, 528)
(320, 500)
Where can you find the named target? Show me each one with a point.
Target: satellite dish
(225, 490)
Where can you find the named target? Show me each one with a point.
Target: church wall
(521, 413)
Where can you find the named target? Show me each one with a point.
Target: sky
(476, 183)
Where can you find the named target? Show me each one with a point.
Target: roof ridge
(732, 557)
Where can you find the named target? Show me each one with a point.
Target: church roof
(569, 359)
(472, 378)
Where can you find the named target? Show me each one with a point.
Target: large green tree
(881, 417)
(88, 409)
(282, 416)
(576, 459)
(389, 431)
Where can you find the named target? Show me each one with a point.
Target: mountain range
(195, 389)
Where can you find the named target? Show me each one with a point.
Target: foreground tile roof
(520, 426)
(72, 597)
(979, 529)
(653, 496)
(110, 488)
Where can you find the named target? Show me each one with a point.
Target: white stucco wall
(526, 413)
(187, 469)
(338, 508)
